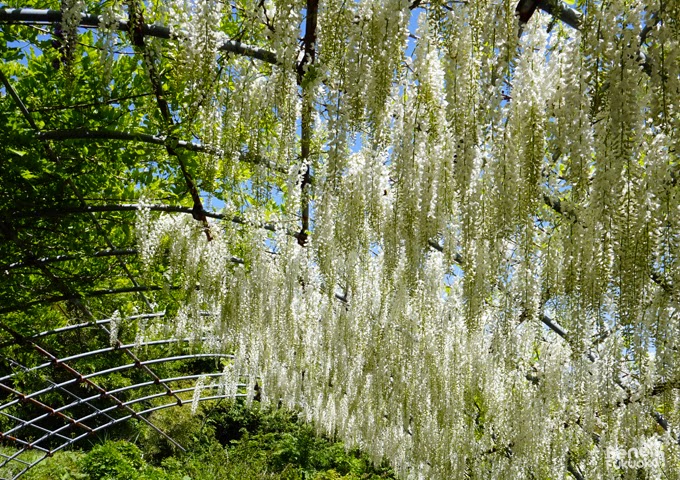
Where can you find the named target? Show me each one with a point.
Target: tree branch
(307, 113)
(85, 134)
(571, 468)
(136, 29)
(547, 321)
(51, 108)
(133, 207)
(559, 10)
(41, 17)
(564, 209)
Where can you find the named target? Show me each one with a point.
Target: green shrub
(63, 465)
(280, 446)
(188, 430)
(113, 461)
(39, 472)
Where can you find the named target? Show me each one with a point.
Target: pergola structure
(65, 411)
(70, 403)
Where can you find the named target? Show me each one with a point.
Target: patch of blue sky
(412, 30)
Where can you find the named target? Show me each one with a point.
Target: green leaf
(28, 175)
(21, 153)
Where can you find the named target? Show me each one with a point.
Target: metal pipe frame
(179, 390)
(15, 456)
(98, 388)
(159, 360)
(26, 423)
(79, 326)
(25, 445)
(18, 460)
(138, 362)
(52, 387)
(78, 377)
(173, 379)
(80, 401)
(91, 353)
(56, 432)
(29, 467)
(114, 422)
(68, 392)
(97, 323)
(120, 368)
(33, 421)
(98, 412)
(92, 324)
(25, 398)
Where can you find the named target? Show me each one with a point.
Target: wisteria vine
(470, 264)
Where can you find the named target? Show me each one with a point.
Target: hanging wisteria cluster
(486, 283)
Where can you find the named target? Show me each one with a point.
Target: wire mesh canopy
(64, 404)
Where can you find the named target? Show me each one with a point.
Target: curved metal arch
(77, 326)
(103, 427)
(104, 321)
(128, 366)
(68, 422)
(97, 323)
(93, 415)
(91, 353)
(81, 401)
(26, 397)
(25, 445)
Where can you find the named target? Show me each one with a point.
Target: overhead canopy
(447, 232)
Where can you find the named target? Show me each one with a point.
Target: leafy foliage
(275, 445)
(116, 460)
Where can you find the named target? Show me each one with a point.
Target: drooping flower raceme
(488, 287)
